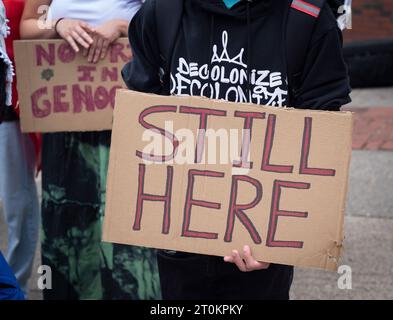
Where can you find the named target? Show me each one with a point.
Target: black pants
(187, 276)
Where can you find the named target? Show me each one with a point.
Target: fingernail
(246, 249)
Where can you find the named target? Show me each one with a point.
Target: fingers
(85, 52)
(74, 33)
(92, 49)
(248, 258)
(95, 50)
(98, 50)
(87, 27)
(86, 37)
(238, 261)
(72, 43)
(251, 263)
(247, 263)
(104, 50)
(79, 39)
(81, 35)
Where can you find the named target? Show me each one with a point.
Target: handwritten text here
(282, 192)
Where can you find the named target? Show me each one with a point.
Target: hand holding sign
(75, 32)
(248, 263)
(103, 37)
(204, 176)
(61, 91)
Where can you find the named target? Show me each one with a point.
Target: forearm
(122, 26)
(142, 72)
(325, 84)
(35, 22)
(32, 29)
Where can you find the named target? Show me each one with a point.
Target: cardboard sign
(59, 90)
(204, 176)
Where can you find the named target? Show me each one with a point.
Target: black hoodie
(239, 54)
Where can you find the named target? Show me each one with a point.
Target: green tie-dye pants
(74, 167)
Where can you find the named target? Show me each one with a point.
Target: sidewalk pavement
(372, 98)
(373, 128)
(368, 247)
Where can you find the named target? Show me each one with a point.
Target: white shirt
(94, 12)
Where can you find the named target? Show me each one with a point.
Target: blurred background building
(371, 20)
(369, 44)
(368, 248)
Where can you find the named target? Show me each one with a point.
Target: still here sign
(59, 90)
(205, 176)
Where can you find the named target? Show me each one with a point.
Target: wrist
(56, 25)
(121, 27)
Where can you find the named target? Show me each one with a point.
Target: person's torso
(211, 57)
(94, 12)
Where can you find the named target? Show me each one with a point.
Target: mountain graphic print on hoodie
(239, 54)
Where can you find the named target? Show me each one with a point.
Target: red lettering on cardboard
(171, 137)
(269, 141)
(82, 97)
(109, 74)
(86, 75)
(237, 210)
(59, 92)
(35, 98)
(203, 113)
(142, 196)
(304, 169)
(275, 213)
(190, 201)
(42, 54)
(247, 136)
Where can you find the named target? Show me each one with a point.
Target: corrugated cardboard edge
(20, 52)
(109, 179)
(272, 109)
(337, 251)
(329, 258)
